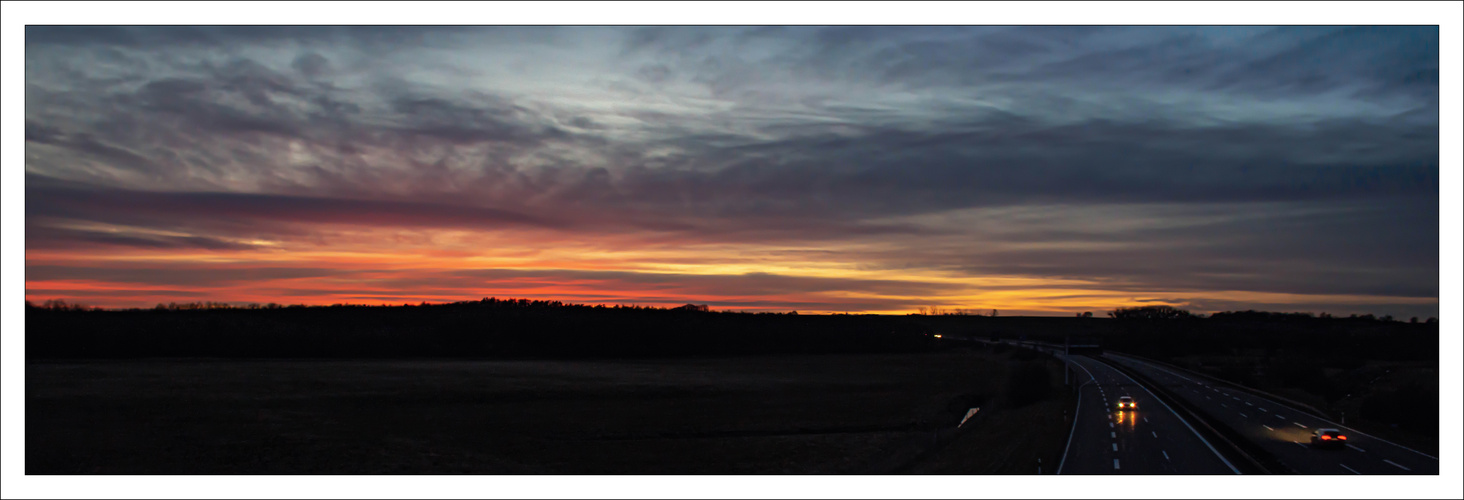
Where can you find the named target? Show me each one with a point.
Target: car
(1328, 438)
(1127, 403)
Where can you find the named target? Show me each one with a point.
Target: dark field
(808, 414)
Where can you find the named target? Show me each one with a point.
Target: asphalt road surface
(1149, 440)
(1280, 429)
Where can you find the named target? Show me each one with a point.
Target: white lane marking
(1248, 403)
(1259, 408)
(1395, 464)
(1207, 397)
(1222, 405)
(1356, 448)
(1166, 454)
(1298, 443)
(1110, 425)
(1146, 420)
(1115, 446)
(1268, 427)
(1278, 415)
(1243, 415)
(1298, 424)
(1115, 463)
(1349, 469)
(1186, 423)
(1113, 435)
(1235, 398)
(1154, 433)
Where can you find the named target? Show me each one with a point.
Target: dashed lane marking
(1115, 463)
(1113, 435)
(1298, 443)
(1242, 415)
(1115, 446)
(1267, 427)
(1349, 469)
(1110, 425)
(1259, 408)
(1146, 420)
(1155, 434)
(1166, 454)
(1298, 424)
(1248, 403)
(1356, 448)
(1222, 405)
(1395, 464)
(1278, 415)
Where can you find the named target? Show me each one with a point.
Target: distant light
(937, 335)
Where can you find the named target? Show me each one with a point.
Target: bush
(1028, 382)
(1414, 407)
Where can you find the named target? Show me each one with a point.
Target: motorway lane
(1282, 430)
(1151, 440)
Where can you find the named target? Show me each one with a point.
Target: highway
(1152, 440)
(1280, 429)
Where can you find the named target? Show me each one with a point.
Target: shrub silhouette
(1028, 383)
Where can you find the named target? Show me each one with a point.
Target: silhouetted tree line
(490, 328)
(1151, 312)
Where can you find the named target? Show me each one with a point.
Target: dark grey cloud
(40, 236)
(150, 208)
(226, 36)
(177, 275)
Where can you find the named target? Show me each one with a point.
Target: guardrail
(1254, 458)
(1306, 408)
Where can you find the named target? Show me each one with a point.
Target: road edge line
(1076, 409)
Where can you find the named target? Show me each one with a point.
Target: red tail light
(1324, 438)
(1344, 438)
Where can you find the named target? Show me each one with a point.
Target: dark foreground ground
(808, 414)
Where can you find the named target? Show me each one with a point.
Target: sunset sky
(1032, 170)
